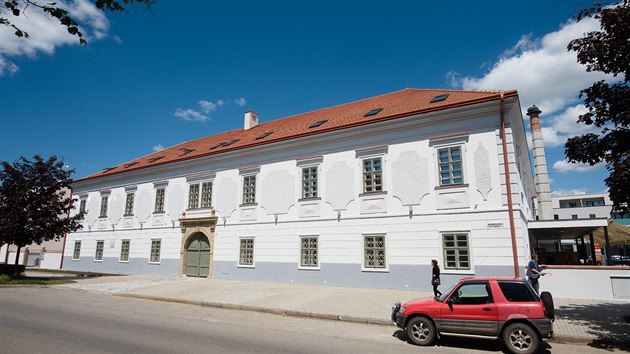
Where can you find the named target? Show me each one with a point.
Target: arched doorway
(198, 256)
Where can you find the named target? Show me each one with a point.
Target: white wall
(584, 283)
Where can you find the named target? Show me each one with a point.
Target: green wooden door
(198, 256)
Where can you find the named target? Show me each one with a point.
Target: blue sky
(193, 67)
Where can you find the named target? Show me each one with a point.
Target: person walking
(435, 278)
(534, 271)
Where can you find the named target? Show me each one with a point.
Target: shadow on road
(606, 321)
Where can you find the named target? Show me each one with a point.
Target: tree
(19, 8)
(608, 103)
(35, 201)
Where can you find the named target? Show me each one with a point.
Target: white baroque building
(362, 194)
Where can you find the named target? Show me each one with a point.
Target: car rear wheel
(547, 300)
(421, 331)
(520, 338)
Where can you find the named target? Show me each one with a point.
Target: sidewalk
(602, 324)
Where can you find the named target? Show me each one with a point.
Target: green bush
(9, 269)
(4, 279)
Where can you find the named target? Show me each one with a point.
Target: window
(103, 206)
(569, 204)
(155, 251)
(555, 217)
(205, 197)
(450, 166)
(98, 256)
(594, 202)
(308, 252)
(374, 251)
(159, 199)
(473, 293)
(456, 253)
(247, 252)
(76, 255)
(129, 204)
(82, 206)
(372, 175)
(193, 196)
(309, 182)
(592, 216)
(517, 291)
(574, 217)
(124, 251)
(249, 189)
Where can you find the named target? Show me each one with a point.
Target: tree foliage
(35, 199)
(608, 103)
(15, 8)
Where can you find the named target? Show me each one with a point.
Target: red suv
(490, 307)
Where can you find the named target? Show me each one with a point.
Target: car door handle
(487, 309)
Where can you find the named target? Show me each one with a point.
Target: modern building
(586, 206)
(362, 194)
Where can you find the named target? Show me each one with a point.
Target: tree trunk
(17, 261)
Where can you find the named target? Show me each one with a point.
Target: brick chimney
(543, 187)
(251, 120)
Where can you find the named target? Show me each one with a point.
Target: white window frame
(83, 205)
(122, 242)
(450, 164)
(372, 153)
(364, 254)
(200, 194)
(74, 250)
(151, 261)
(159, 186)
(240, 251)
(300, 250)
(444, 266)
(104, 210)
(245, 199)
(129, 208)
(96, 251)
(310, 169)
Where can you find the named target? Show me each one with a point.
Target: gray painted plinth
(350, 275)
(112, 265)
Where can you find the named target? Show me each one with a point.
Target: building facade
(363, 194)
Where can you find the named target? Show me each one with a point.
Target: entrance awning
(564, 229)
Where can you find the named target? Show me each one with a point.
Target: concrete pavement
(593, 322)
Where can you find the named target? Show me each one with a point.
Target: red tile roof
(394, 105)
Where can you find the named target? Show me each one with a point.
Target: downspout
(65, 235)
(509, 190)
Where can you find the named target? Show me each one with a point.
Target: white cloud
(190, 115)
(45, 32)
(542, 70)
(240, 101)
(158, 147)
(564, 166)
(207, 106)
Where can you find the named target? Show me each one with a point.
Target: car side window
(473, 294)
(517, 291)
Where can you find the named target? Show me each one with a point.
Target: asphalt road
(49, 320)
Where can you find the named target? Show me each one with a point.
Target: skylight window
(127, 165)
(217, 145)
(373, 112)
(185, 151)
(264, 135)
(318, 123)
(107, 169)
(439, 98)
(153, 159)
(231, 142)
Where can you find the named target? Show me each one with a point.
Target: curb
(270, 310)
